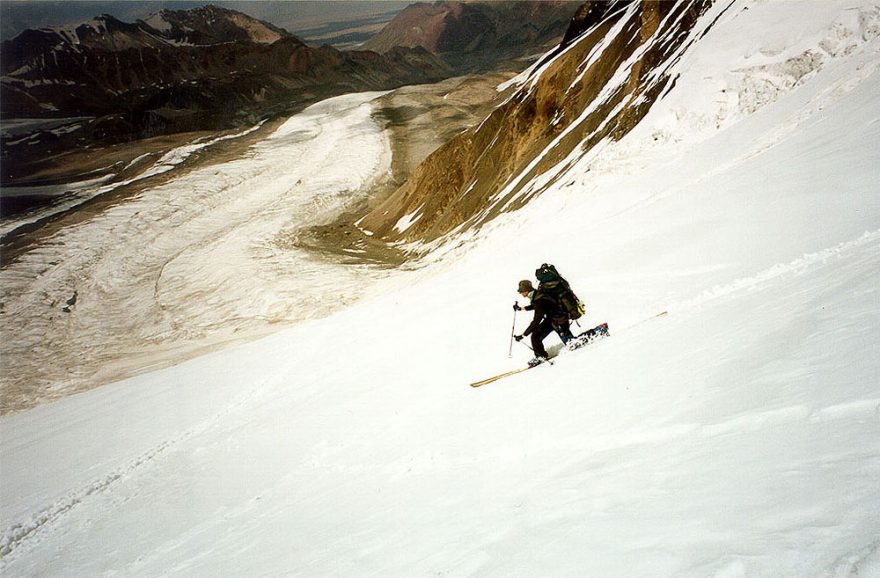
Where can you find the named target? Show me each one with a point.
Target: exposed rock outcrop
(598, 84)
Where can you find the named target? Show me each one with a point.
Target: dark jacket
(545, 307)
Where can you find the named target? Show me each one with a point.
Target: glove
(516, 307)
(518, 337)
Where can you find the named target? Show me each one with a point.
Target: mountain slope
(737, 436)
(597, 85)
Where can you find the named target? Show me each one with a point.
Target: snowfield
(739, 435)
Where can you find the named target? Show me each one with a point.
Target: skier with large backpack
(555, 306)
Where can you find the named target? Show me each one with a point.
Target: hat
(525, 286)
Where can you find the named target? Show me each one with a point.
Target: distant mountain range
(184, 61)
(201, 69)
(212, 68)
(472, 36)
(301, 18)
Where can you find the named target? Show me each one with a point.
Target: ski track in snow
(25, 535)
(797, 267)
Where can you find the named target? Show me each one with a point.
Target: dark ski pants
(546, 328)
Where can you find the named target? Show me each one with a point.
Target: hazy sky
(293, 15)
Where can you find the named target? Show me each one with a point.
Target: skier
(549, 316)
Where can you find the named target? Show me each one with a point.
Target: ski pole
(512, 332)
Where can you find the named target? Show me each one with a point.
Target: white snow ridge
(737, 436)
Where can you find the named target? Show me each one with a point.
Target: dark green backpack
(552, 283)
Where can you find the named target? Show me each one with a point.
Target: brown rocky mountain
(475, 35)
(598, 84)
(211, 25)
(201, 69)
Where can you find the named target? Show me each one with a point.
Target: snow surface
(407, 221)
(737, 436)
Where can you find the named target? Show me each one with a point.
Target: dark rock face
(598, 85)
(477, 35)
(202, 69)
(590, 14)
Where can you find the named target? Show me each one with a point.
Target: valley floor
(159, 270)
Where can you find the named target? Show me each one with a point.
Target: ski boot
(537, 361)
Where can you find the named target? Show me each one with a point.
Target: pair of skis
(581, 340)
(578, 342)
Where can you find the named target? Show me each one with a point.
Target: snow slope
(737, 436)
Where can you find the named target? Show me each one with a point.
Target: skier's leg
(564, 332)
(538, 336)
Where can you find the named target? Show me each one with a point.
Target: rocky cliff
(596, 85)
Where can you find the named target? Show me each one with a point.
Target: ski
(589, 336)
(661, 314)
(580, 340)
(509, 373)
(501, 376)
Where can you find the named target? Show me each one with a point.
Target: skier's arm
(537, 319)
